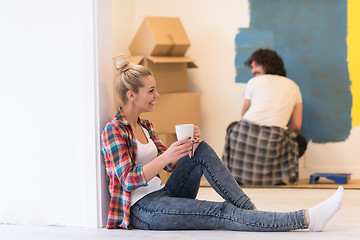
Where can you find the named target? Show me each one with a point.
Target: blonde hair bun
(121, 63)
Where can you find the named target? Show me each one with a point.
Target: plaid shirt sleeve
(116, 150)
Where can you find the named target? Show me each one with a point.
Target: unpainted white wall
(49, 107)
(211, 27)
(104, 99)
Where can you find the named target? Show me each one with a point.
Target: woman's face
(257, 69)
(147, 95)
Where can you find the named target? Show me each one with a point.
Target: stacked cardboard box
(160, 44)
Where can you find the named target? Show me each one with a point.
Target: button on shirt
(119, 148)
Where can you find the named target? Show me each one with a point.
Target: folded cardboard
(170, 72)
(174, 108)
(160, 36)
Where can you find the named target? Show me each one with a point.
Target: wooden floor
(344, 225)
(322, 183)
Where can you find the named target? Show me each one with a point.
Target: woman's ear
(130, 95)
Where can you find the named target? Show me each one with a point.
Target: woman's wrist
(163, 160)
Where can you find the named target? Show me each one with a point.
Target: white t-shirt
(273, 99)
(145, 154)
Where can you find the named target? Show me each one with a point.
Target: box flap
(189, 61)
(168, 30)
(160, 36)
(143, 41)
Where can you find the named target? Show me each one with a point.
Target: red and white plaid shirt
(118, 145)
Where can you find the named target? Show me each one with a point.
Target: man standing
(263, 148)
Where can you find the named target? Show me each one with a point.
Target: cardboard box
(174, 108)
(160, 36)
(164, 176)
(170, 73)
(167, 138)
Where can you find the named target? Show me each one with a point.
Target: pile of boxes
(160, 44)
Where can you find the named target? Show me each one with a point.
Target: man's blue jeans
(175, 208)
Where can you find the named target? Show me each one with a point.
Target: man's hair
(269, 60)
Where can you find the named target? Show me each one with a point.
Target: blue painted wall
(310, 35)
(247, 41)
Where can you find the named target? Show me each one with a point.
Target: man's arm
(296, 118)
(246, 106)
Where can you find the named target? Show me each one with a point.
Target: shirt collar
(121, 117)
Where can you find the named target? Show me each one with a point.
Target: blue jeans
(175, 208)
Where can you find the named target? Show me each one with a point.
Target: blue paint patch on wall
(246, 42)
(310, 35)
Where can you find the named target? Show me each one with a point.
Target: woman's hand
(197, 134)
(171, 156)
(197, 137)
(177, 150)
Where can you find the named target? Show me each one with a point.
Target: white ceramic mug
(184, 131)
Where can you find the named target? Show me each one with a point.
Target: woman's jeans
(174, 207)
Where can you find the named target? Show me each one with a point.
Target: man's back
(272, 99)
